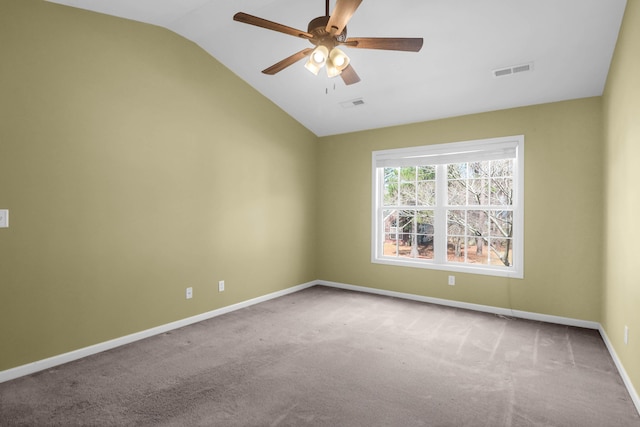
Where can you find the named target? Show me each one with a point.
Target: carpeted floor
(328, 357)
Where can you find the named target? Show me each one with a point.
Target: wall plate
(4, 218)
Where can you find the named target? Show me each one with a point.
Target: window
(456, 206)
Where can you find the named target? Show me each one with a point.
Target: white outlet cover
(4, 218)
(189, 293)
(626, 335)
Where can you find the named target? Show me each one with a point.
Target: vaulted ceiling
(566, 44)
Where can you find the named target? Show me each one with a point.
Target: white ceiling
(569, 42)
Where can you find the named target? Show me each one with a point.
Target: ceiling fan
(326, 33)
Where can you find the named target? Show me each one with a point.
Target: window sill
(461, 268)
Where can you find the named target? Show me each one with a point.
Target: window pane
(390, 186)
(502, 191)
(478, 191)
(424, 234)
(501, 253)
(477, 223)
(407, 194)
(455, 223)
(502, 168)
(456, 251)
(501, 223)
(408, 174)
(404, 245)
(457, 171)
(479, 169)
(390, 222)
(477, 251)
(391, 199)
(426, 173)
(390, 245)
(425, 222)
(456, 193)
(467, 236)
(405, 221)
(409, 234)
(426, 193)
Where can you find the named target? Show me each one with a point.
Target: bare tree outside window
(480, 214)
(409, 227)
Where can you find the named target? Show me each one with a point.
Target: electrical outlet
(189, 294)
(221, 286)
(4, 218)
(626, 335)
(452, 280)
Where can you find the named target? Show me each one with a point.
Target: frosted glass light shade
(317, 59)
(339, 59)
(332, 70)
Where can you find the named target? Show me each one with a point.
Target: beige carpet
(328, 357)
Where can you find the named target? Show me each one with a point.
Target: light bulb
(339, 59)
(318, 58)
(319, 55)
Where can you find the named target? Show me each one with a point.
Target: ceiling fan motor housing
(318, 27)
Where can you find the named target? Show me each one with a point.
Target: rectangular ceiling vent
(352, 103)
(515, 69)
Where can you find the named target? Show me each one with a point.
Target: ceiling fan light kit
(317, 59)
(326, 33)
(335, 61)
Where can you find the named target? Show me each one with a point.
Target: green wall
(621, 296)
(135, 165)
(563, 210)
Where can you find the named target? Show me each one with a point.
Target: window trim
(441, 154)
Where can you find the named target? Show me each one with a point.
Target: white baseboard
(469, 306)
(623, 373)
(506, 312)
(60, 359)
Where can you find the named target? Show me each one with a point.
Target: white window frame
(441, 155)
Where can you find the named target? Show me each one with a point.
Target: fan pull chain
(326, 89)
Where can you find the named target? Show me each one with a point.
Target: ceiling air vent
(352, 103)
(515, 69)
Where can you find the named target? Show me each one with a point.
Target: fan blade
(385, 43)
(276, 68)
(269, 25)
(349, 76)
(341, 14)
